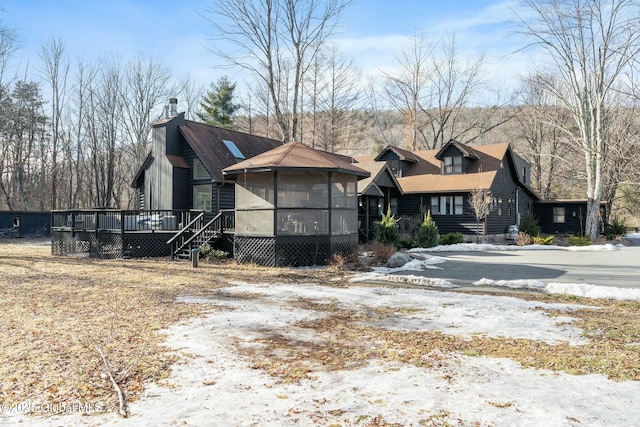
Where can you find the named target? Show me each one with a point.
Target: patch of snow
(414, 265)
(486, 247)
(403, 278)
(577, 289)
(214, 384)
(592, 291)
(512, 284)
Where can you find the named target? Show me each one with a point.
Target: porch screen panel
(303, 221)
(344, 193)
(254, 223)
(303, 190)
(344, 221)
(255, 191)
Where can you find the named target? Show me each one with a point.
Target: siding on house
(504, 190)
(161, 185)
(226, 196)
(25, 223)
(574, 216)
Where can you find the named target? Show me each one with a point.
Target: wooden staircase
(197, 233)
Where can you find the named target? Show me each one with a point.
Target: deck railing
(121, 220)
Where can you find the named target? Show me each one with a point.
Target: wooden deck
(106, 233)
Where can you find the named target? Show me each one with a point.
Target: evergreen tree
(427, 234)
(387, 233)
(217, 105)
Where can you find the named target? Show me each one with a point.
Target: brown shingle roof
(446, 183)
(206, 142)
(424, 176)
(375, 169)
(178, 161)
(296, 155)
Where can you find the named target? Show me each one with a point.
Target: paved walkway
(620, 268)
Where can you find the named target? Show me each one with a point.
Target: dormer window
(451, 165)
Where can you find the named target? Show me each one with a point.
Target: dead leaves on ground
(350, 340)
(49, 305)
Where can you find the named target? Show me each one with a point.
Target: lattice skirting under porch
(292, 250)
(108, 245)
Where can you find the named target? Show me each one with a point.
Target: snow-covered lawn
(234, 363)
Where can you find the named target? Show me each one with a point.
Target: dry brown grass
(51, 306)
(613, 329)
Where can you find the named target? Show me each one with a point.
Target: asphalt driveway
(619, 268)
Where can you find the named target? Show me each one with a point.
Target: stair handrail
(204, 228)
(185, 228)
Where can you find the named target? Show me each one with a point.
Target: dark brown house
(184, 167)
(565, 216)
(442, 180)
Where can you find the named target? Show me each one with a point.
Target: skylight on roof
(235, 151)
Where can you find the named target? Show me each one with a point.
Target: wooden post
(195, 257)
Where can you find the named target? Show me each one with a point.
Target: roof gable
(465, 150)
(404, 155)
(381, 176)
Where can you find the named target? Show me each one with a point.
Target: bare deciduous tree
(146, 88)
(276, 41)
(592, 44)
(333, 101)
(190, 93)
(431, 90)
(104, 123)
(8, 46)
(481, 203)
(407, 90)
(56, 72)
(537, 125)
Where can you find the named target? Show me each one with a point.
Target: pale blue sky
(173, 32)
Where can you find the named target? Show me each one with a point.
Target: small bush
(211, 254)
(451, 239)
(542, 240)
(523, 239)
(427, 234)
(616, 229)
(387, 232)
(579, 241)
(405, 244)
(530, 226)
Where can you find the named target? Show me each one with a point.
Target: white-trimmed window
(447, 205)
(558, 215)
(451, 164)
